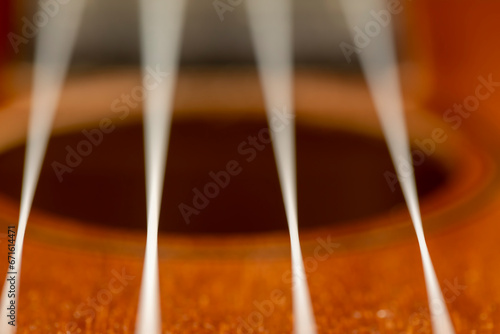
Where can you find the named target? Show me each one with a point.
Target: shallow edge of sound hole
(379, 229)
(332, 180)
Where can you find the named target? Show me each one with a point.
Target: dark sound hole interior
(340, 178)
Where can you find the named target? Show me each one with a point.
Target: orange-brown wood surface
(82, 278)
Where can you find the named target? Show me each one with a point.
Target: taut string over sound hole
(223, 174)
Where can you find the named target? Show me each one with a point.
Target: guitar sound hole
(221, 178)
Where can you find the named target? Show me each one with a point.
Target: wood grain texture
(371, 283)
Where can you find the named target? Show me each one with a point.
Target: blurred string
(271, 31)
(53, 49)
(161, 24)
(372, 33)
